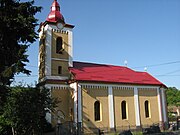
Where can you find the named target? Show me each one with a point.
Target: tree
(17, 32)
(25, 110)
(3, 96)
(173, 96)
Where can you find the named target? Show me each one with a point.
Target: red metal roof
(55, 14)
(92, 72)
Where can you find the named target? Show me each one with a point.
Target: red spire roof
(91, 72)
(55, 14)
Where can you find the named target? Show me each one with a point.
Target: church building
(95, 96)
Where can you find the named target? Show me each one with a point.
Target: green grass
(137, 133)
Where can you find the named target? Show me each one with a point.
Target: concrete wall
(60, 59)
(91, 93)
(128, 96)
(65, 105)
(151, 96)
(56, 64)
(89, 96)
(64, 54)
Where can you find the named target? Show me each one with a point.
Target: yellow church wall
(59, 59)
(64, 54)
(151, 96)
(65, 104)
(54, 68)
(89, 96)
(128, 96)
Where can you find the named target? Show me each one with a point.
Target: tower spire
(55, 13)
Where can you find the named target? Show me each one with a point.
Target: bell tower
(55, 58)
(55, 48)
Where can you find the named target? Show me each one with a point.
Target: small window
(146, 106)
(59, 70)
(97, 111)
(59, 43)
(124, 110)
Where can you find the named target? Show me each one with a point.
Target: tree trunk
(13, 131)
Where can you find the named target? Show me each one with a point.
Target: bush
(47, 127)
(5, 128)
(127, 132)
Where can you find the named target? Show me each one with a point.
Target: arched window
(97, 110)
(124, 110)
(146, 106)
(59, 44)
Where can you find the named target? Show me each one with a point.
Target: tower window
(146, 106)
(59, 70)
(59, 43)
(97, 110)
(124, 110)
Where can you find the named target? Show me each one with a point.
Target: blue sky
(145, 33)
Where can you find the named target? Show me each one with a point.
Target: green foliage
(25, 110)
(17, 31)
(5, 128)
(173, 96)
(3, 96)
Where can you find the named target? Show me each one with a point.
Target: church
(95, 96)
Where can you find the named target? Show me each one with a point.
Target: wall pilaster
(159, 104)
(111, 107)
(136, 105)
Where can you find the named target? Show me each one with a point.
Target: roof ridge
(105, 64)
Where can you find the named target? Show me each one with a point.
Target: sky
(145, 33)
